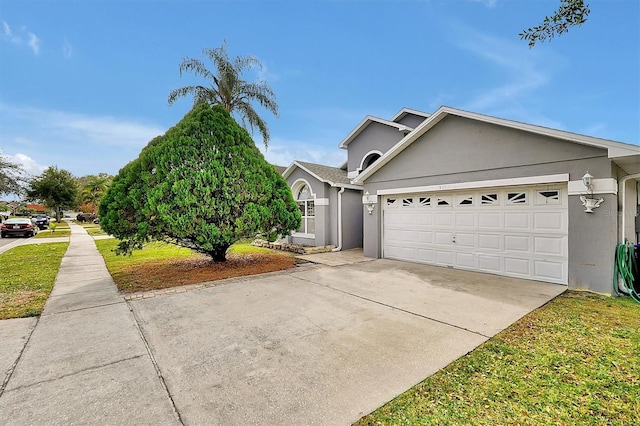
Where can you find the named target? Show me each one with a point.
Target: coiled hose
(623, 280)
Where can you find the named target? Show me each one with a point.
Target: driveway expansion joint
(8, 375)
(84, 370)
(396, 308)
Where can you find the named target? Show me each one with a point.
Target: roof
(405, 111)
(280, 169)
(334, 176)
(616, 150)
(365, 123)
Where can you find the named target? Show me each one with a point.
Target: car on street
(18, 227)
(42, 220)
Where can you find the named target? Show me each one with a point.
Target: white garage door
(519, 232)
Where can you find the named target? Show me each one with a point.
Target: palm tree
(94, 189)
(228, 89)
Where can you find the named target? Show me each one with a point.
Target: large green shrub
(202, 185)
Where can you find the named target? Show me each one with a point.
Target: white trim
(321, 201)
(529, 180)
(300, 182)
(372, 199)
(363, 125)
(600, 186)
(300, 235)
(373, 151)
(613, 148)
(404, 111)
(315, 176)
(352, 174)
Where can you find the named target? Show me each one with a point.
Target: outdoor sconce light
(369, 202)
(588, 201)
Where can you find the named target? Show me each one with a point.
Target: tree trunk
(219, 253)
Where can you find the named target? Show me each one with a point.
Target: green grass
(574, 361)
(152, 251)
(49, 233)
(28, 273)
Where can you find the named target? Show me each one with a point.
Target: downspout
(621, 190)
(339, 220)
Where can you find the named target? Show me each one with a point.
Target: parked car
(42, 220)
(19, 227)
(85, 217)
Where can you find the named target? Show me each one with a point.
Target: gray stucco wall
(411, 120)
(352, 217)
(375, 136)
(321, 190)
(592, 243)
(462, 150)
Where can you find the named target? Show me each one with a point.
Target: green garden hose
(622, 272)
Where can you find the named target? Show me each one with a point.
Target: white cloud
(34, 43)
(30, 166)
(521, 71)
(283, 152)
(67, 49)
(32, 40)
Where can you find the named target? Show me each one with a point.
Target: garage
(519, 231)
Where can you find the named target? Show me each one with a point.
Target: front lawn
(574, 361)
(161, 265)
(50, 233)
(28, 273)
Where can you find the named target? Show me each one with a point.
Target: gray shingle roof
(333, 175)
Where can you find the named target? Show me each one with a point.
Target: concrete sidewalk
(86, 361)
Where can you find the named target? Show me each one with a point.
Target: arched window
(369, 161)
(307, 210)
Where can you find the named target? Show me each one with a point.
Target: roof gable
(615, 149)
(333, 176)
(365, 123)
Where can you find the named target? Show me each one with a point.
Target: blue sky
(84, 84)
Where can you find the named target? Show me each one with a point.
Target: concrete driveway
(322, 345)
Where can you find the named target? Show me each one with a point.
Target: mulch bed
(168, 273)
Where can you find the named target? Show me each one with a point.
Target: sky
(84, 83)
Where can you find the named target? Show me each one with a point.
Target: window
(391, 201)
(407, 202)
(425, 201)
(466, 201)
(444, 201)
(307, 210)
(517, 198)
(550, 196)
(489, 199)
(370, 160)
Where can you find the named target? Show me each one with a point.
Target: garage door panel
(517, 266)
(517, 243)
(548, 270)
(444, 219)
(489, 241)
(444, 238)
(549, 245)
(466, 260)
(465, 240)
(465, 220)
(490, 263)
(504, 231)
(491, 220)
(425, 237)
(548, 221)
(444, 257)
(516, 220)
(424, 218)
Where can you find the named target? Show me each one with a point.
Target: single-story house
(470, 191)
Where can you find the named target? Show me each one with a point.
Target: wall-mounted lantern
(369, 202)
(588, 200)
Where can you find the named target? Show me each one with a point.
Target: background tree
(92, 189)
(11, 176)
(203, 185)
(57, 189)
(569, 14)
(227, 88)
